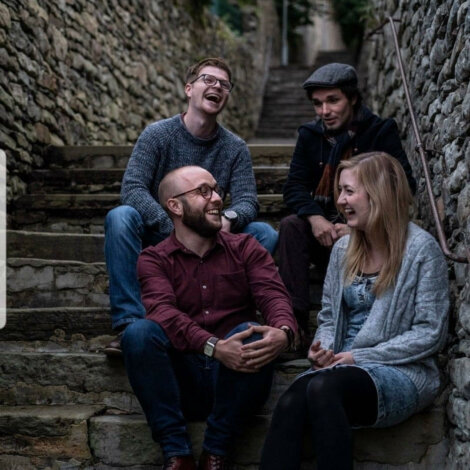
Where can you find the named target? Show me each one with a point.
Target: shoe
(213, 462)
(182, 462)
(114, 347)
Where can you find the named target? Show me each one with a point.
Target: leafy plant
(352, 16)
(299, 13)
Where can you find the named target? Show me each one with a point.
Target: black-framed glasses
(205, 191)
(210, 80)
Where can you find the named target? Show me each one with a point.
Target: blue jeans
(125, 236)
(172, 386)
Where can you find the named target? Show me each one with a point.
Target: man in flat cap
(344, 127)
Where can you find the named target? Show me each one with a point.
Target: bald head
(180, 180)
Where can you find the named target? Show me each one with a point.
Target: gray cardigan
(166, 145)
(407, 325)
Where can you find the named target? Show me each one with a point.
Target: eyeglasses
(210, 80)
(205, 191)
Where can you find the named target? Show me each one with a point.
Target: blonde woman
(383, 320)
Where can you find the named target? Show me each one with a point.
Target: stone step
(269, 179)
(417, 444)
(76, 371)
(112, 157)
(45, 433)
(88, 206)
(49, 435)
(266, 132)
(56, 323)
(36, 283)
(64, 246)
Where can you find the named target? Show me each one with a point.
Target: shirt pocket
(232, 290)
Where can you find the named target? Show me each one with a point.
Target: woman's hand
(343, 358)
(319, 357)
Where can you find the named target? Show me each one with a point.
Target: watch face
(209, 349)
(230, 215)
(210, 346)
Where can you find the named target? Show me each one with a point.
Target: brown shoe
(213, 462)
(182, 462)
(114, 347)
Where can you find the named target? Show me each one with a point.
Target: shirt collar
(175, 245)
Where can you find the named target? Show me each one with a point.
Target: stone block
(81, 372)
(40, 324)
(460, 375)
(46, 431)
(29, 283)
(123, 441)
(464, 316)
(16, 462)
(458, 411)
(29, 277)
(459, 455)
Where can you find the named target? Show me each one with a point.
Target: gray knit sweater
(407, 325)
(166, 145)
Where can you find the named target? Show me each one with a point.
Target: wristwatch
(230, 215)
(290, 337)
(209, 347)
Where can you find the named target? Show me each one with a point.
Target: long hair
(390, 198)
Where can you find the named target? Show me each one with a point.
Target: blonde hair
(390, 198)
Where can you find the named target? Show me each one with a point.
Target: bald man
(199, 353)
(193, 137)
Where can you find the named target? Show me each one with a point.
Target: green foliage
(299, 13)
(230, 12)
(352, 16)
(196, 8)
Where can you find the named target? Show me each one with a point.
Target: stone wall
(434, 37)
(85, 72)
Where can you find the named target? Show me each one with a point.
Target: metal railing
(422, 151)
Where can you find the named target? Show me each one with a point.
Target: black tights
(330, 402)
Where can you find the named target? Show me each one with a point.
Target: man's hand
(319, 357)
(343, 358)
(229, 351)
(342, 230)
(323, 230)
(261, 352)
(226, 224)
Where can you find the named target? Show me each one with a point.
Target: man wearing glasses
(191, 138)
(199, 353)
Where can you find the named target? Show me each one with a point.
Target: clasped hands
(321, 358)
(325, 231)
(252, 356)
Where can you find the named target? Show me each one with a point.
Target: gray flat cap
(332, 76)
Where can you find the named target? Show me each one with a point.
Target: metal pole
(420, 148)
(285, 45)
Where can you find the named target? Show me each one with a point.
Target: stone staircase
(63, 404)
(285, 105)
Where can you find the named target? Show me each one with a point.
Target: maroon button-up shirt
(194, 298)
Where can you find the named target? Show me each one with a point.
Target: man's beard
(197, 222)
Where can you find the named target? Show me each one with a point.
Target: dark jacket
(311, 154)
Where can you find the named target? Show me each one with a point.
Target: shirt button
(206, 312)
(204, 286)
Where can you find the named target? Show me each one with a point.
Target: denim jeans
(125, 236)
(172, 386)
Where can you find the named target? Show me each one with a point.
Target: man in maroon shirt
(200, 352)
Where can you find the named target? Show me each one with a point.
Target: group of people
(188, 277)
